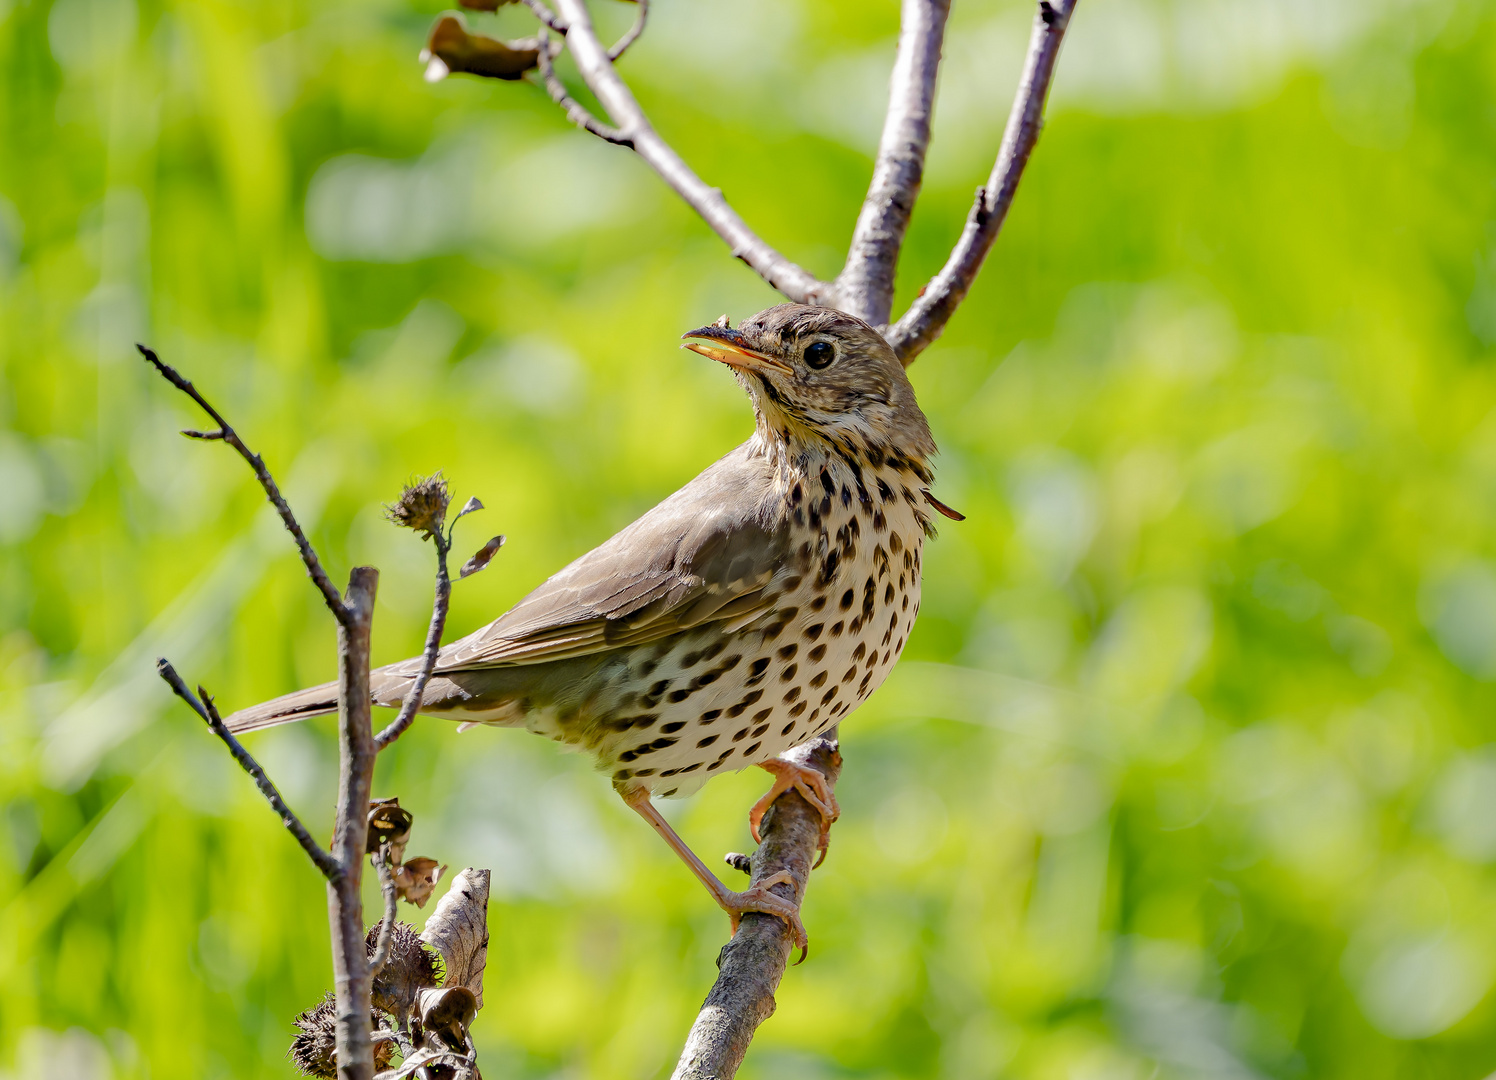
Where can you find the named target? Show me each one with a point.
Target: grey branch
(391, 904)
(575, 111)
(356, 753)
(272, 491)
(209, 712)
(621, 46)
(865, 287)
(433, 645)
(546, 15)
(605, 83)
(927, 316)
(753, 962)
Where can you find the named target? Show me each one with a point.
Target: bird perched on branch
(745, 614)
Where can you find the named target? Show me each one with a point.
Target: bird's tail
(314, 701)
(497, 699)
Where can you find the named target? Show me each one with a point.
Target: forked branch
(272, 491)
(209, 712)
(865, 287)
(866, 284)
(927, 316)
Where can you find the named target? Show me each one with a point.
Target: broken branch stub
(458, 929)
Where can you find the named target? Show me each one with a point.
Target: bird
(742, 616)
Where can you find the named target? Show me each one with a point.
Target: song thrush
(746, 613)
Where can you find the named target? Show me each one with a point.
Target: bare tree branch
(209, 712)
(546, 15)
(391, 913)
(575, 111)
(603, 80)
(753, 962)
(865, 286)
(356, 752)
(272, 491)
(433, 644)
(621, 46)
(927, 316)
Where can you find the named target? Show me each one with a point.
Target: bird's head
(819, 375)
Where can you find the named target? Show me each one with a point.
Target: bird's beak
(731, 348)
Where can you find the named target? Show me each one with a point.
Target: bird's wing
(705, 554)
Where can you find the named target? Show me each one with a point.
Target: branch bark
(345, 905)
(603, 80)
(753, 962)
(865, 286)
(927, 316)
(391, 896)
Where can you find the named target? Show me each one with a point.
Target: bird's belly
(719, 700)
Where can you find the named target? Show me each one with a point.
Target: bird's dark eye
(819, 353)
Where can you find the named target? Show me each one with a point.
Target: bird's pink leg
(756, 898)
(811, 784)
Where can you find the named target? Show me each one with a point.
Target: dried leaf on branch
(452, 48)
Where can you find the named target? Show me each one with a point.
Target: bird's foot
(811, 784)
(759, 898)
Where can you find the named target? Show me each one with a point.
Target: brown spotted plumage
(746, 613)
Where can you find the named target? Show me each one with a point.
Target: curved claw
(811, 784)
(759, 898)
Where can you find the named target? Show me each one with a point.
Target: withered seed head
(422, 506)
(411, 968)
(312, 1050)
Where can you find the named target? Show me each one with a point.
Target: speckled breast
(727, 696)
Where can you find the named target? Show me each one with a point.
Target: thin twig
(621, 46)
(434, 630)
(603, 80)
(386, 939)
(753, 962)
(546, 15)
(575, 111)
(309, 557)
(209, 712)
(927, 316)
(865, 287)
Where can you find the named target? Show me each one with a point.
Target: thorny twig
(272, 490)
(209, 712)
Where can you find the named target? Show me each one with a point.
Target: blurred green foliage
(1189, 770)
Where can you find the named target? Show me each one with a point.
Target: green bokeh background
(1189, 768)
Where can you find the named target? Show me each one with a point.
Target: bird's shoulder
(703, 554)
